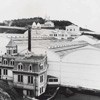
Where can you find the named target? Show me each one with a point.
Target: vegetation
(61, 23)
(28, 21)
(84, 29)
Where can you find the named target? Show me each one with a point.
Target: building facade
(73, 30)
(28, 72)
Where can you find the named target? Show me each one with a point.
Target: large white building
(75, 64)
(73, 30)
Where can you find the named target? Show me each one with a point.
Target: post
(29, 39)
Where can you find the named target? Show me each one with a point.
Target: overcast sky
(85, 13)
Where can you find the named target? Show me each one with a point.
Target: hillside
(28, 21)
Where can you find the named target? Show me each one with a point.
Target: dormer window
(30, 68)
(15, 51)
(9, 51)
(20, 66)
(12, 62)
(41, 66)
(5, 62)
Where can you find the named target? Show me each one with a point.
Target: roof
(12, 27)
(31, 58)
(65, 49)
(86, 38)
(11, 44)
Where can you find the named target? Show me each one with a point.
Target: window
(9, 51)
(41, 90)
(30, 67)
(41, 78)
(20, 78)
(30, 92)
(5, 72)
(12, 62)
(30, 79)
(5, 62)
(52, 80)
(55, 80)
(70, 29)
(20, 66)
(55, 34)
(41, 66)
(62, 34)
(15, 51)
(51, 34)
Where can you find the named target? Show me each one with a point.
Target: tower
(11, 48)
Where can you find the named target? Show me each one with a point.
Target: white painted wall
(15, 78)
(79, 68)
(10, 73)
(25, 79)
(73, 30)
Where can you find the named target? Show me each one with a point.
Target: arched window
(12, 62)
(5, 62)
(30, 67)
(20, 66)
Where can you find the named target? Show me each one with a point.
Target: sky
(84, 13)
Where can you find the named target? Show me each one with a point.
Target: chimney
(29, 39)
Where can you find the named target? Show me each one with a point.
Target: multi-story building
(28, 71)
(30, 74)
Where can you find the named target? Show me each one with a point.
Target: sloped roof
(11, 44)
(86, 38)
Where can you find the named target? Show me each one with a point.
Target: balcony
(6, 77)
(24, 86)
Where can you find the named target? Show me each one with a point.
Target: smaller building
(49, 24)
(73, 30)
(36, 26)
(59, 34)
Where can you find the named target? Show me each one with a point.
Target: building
(36, 26)
(8, 60)
(76, 65)
(73, 30)
(59, 34)
(49, 24)
(28, 72)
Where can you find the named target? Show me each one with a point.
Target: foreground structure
(28, 72)
(73, 64)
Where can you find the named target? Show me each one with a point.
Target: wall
(80, 68)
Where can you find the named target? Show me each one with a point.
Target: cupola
(11, 48)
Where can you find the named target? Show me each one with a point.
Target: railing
(26, 86)
(6, 77)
